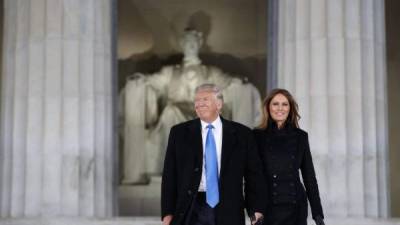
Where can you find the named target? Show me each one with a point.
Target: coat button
(292, 156)
(189, 192)
(275, 184)
(274, 193)
(292, 184)
(274, 176)
(196, 169)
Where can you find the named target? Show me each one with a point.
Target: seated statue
(151, 104)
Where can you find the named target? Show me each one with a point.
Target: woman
(284, 150)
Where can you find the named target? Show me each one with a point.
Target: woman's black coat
(284, 152)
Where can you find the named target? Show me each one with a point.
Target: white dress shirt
(217, 131)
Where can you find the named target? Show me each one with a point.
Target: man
(206, 161)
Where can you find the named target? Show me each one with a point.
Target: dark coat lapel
(195, 141)
(228, 143)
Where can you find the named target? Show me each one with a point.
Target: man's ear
(219, 105)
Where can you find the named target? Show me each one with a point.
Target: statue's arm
(147, 90)
(160, 81)
(121, 110)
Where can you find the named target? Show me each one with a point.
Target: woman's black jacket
(284, 152)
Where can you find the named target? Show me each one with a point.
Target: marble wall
(56, 133)
(233, 27)
(235, 35)
(332, 57)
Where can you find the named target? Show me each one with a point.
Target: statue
(151, 104)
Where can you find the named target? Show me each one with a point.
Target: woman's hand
(257, 219)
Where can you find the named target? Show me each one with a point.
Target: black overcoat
(240, 167)
(283, 154)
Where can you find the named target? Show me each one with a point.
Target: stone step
(156, 221)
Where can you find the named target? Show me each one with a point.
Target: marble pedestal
(140, 200)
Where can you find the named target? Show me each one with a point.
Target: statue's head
(191, 42)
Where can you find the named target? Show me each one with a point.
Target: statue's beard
(191, 60)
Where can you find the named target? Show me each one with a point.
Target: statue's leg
(170, 116)
(134, 111)
(134, 154)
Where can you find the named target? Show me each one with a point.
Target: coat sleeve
(169, 178)
(259, 138)
(309, 178)
(255, 186)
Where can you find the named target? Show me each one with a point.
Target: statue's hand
(136, 76)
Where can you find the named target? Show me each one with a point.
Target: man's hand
(167, 220)
(257, 219)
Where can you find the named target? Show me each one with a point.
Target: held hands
(319, 220)
(257, 219)
(167, 220)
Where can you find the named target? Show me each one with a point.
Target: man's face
(207, 105)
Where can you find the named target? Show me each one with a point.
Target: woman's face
(279, 108)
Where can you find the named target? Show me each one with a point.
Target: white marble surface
(140, 200)
(331, 56)
(56, 114)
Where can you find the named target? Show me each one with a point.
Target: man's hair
(211, 88)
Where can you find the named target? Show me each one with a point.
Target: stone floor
(155, 221)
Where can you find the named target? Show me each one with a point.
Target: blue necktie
(211, 166)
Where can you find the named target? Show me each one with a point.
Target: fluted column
(56, 112)
(331, 56)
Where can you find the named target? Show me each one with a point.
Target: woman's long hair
(293, 117)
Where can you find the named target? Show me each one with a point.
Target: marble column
(56, 113)
(331, 56)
